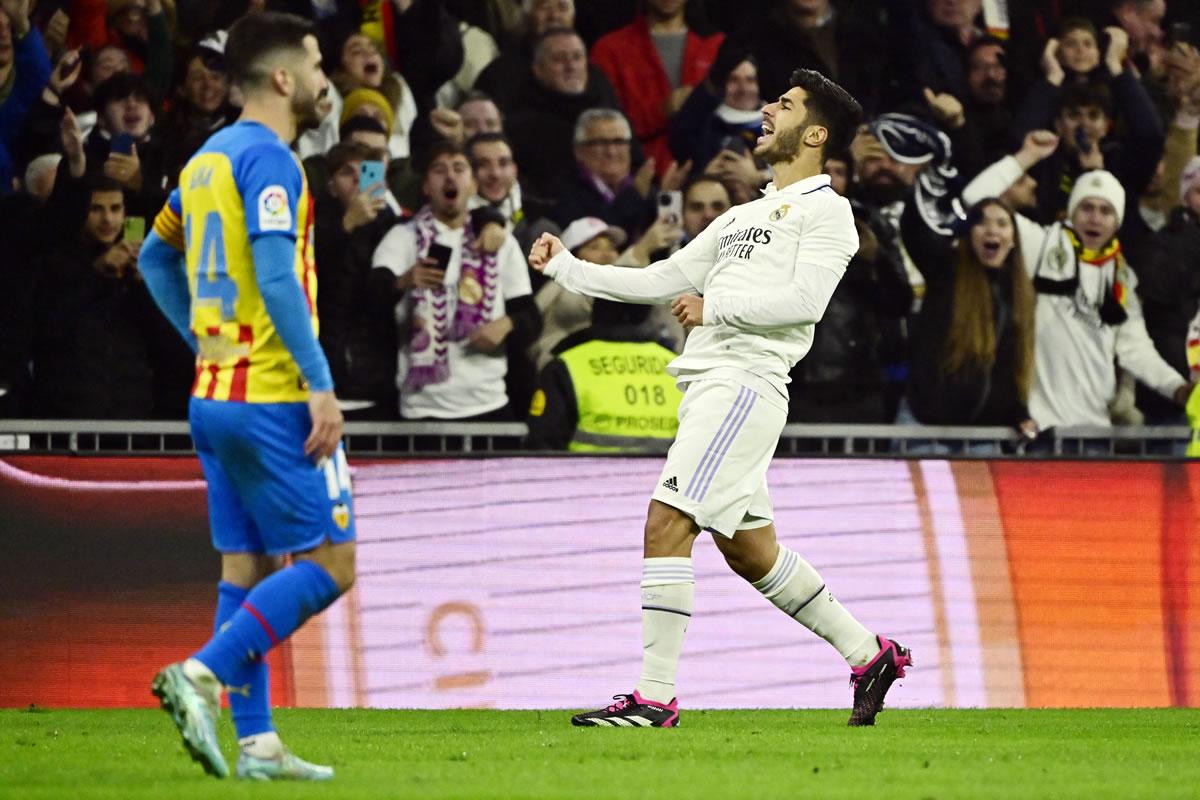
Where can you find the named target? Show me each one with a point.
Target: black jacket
(95, 340)
(1169, 288)
(844, 361)
(1131, 153)
(358, 327)
(975, 394)
(540, 123)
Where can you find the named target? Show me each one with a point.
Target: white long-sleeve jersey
(1074, 378)
(766, 270)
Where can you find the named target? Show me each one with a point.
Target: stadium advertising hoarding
(511, 583)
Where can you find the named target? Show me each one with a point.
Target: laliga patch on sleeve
(273, 211)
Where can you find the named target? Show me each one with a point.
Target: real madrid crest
(1060, 257)
(779, 213)
(469, 290)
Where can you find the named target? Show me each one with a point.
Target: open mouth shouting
(768, 129)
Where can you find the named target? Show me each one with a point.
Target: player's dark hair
(829, 106)
(484, 138)
(256, 36)
(440, 148)
(1086, 95)
(361, 122)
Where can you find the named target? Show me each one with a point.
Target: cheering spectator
(1169, 288)
(96, 324)
(480, 114)
(714, 120)
(361, 66)
(1076, 52)
(542, 117)
(653, 63)
(122, 146)
(842, 379)
(201, 108)
(982, 137)
(1083, 115)
(463, 292)
(602, 183)
(504, 77)
(971, 345)
(358, 331)
(499, 188)
(1088, 313)
(31, 222)
(24, 71)
(137, 28)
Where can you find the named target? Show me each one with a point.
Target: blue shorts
(264, 494)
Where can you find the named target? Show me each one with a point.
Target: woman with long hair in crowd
(972, 344)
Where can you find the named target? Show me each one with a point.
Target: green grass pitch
(1102, 753)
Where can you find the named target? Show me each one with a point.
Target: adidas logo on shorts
(671, 483)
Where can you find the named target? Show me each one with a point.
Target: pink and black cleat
(631, 711)
(872, 680)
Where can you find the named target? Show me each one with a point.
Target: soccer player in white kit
(750, 288)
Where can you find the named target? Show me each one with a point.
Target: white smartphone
(670, 207)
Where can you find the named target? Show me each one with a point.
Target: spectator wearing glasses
(603, 184)
(541, 119)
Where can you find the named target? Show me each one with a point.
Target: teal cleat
(194, 712)
(285, 767)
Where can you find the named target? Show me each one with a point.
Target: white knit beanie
(1098, 183)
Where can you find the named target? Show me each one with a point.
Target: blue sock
(250, 690)
(272, 611)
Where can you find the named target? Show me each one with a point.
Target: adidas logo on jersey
(671, 483)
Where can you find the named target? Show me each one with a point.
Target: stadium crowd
(1019, 164)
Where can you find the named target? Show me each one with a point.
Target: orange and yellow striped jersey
(242, 184)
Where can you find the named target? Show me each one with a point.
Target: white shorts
(716, 470)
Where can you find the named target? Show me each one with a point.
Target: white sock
(262, 745)
(668, 591)
(798, 591)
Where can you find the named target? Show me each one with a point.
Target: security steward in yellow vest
(607, 389)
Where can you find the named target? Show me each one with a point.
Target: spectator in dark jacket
(841, 380)
(653, 63)
(971, 346)
(1169, 287)
(724, 112)
(503, 79)
(602, 183)
(54, 198)
(541, 118)
(97, 328)
(1084, 117)
(358, 331)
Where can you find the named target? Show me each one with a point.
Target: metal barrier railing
(392, 439)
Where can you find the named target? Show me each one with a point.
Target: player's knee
(749, 563)
(669, 532)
